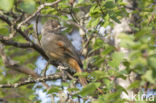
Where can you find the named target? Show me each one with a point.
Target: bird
(59, 48)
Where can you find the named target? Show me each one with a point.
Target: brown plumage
(58, 47)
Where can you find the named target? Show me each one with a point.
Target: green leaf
(54, 89)
(107, 82)
(108, 50)
(99, 74)
(121, 89)
(99, 61)
(135, 84)
(31, 97)
(127, 41)
(114, 97)
(95, 11)
(4, 28)
(149, 76)
(89, 89)
(94, 22)
(84, 74)
(6, 4)
(152, 61)
(106, 21)
(115, 18)
(109, 4)
(28, 6)
(98, 43)
(117, 57)
(14, 79)
(72, 89)
(80, 1)
(65, 84)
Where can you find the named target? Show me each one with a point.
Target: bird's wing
(68, 48)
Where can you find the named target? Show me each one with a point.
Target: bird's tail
(74, 64)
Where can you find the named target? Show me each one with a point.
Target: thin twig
(69, 75)
(86, 46)
(72, 14)
(87, 43)
(45, 69)
(12, 34)
(77, 25)
(38, 10)
(62, 68)
(36, 29)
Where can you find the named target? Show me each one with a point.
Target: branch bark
(15, 44)
(30, 81)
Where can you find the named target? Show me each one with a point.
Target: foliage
(104, 60)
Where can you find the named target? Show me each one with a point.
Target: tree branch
(15, 44)
(38, 10)
(35, 46)
(9, 63)
(30, 81)
(6, 19)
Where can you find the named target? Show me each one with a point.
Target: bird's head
(52, 26)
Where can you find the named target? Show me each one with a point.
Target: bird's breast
(53, 51)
